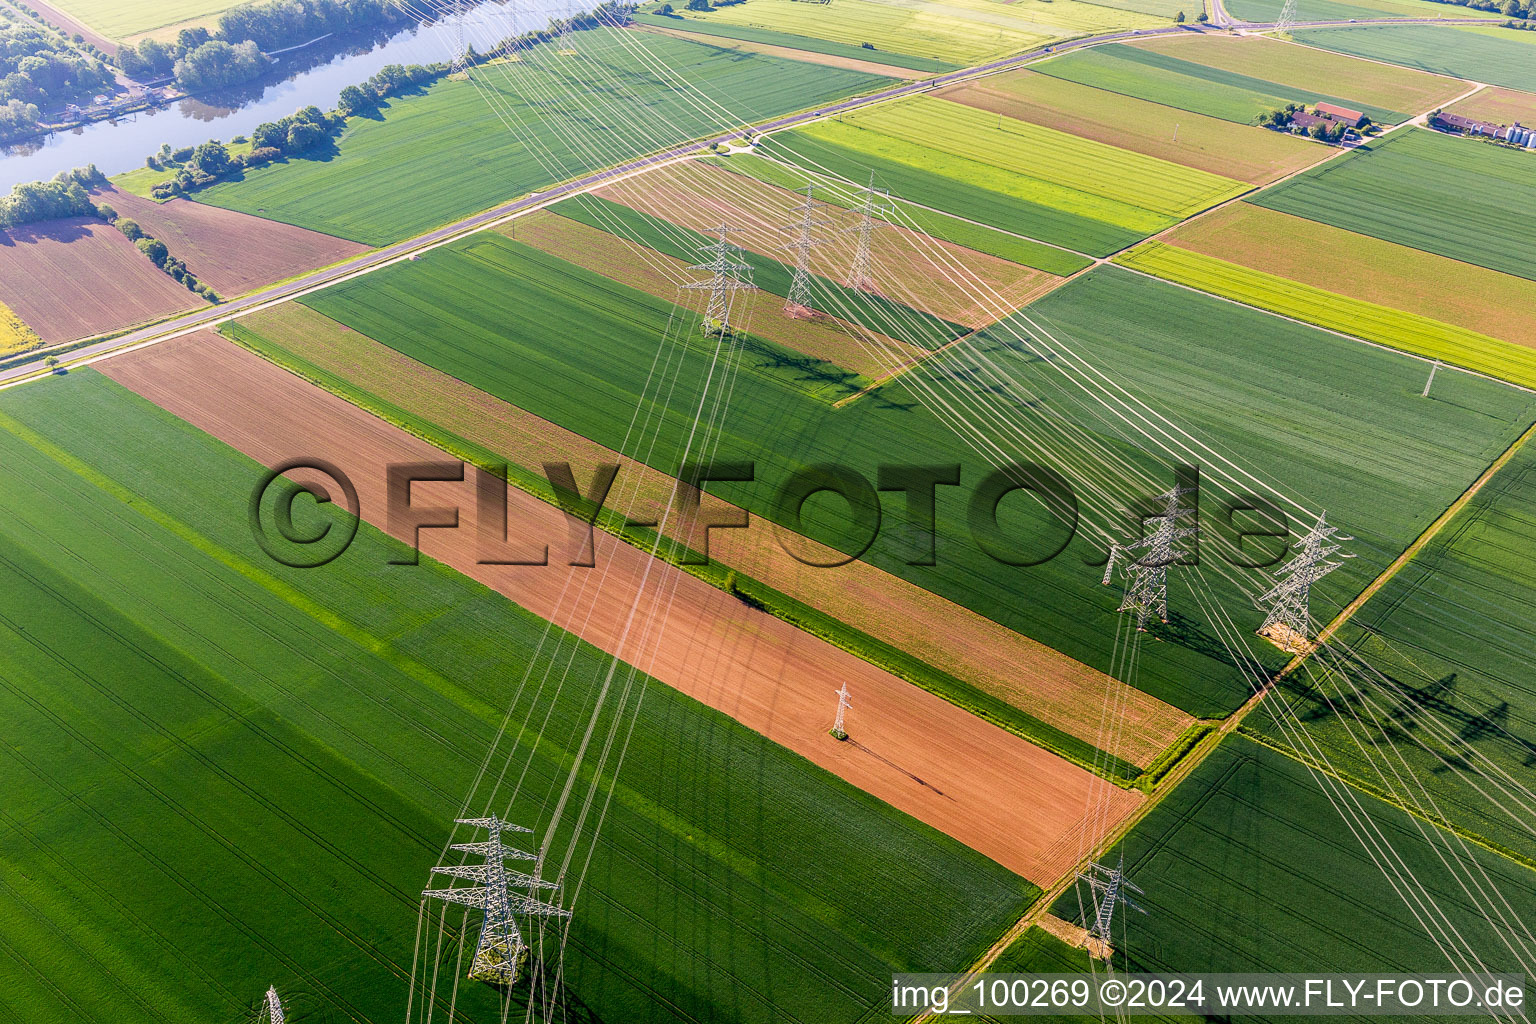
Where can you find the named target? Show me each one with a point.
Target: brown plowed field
(987, 788)
(77, 278)
(1504, 106)
(233, 252)
(701, 196)
(1011, 667)
(1240, 151)
(759, 313)
(1362, 267)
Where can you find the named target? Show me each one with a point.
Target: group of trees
(17, 119)
(1508, 8)
(217, 65)
(281, 23)
(64, 196)
(156, 251)
(40, 68)
(1283, 119)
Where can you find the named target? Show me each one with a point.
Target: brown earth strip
(1495, 304)
(760, 313)
(233, 252)
(702, 196)
(1009, 666)
(985, 787)
(71, 25)
(1381, 85)
(77, 278)
(1249, 154)
(1504, 106)
(789, 53)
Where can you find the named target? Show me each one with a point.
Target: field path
(985, 787)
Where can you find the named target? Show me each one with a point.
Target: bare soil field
(701, 196)
(1505, 106)
(1180, 136)
(1011, 667)
(233, 252)
(1005, 798)
(821, 337)
(77, 278)
(1286, 63)
(790, 53)
(1367, 268)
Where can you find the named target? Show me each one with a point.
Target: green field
(1407, 331)
(810, 44)
(1445, 195)
(947, 194)
(1039, 952)
(958, 32)
(1268, 11)
(1248, 867)
(1449, 639)
(946, 227)
(1174, 82)
(118, 19)
(1205, 363)
(1494, 56)
(221, 774)
(434, 158)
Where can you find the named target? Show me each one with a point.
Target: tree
(355, 101)
(1202, 17)
(130, 229)
(304, 136)
(154, 249)
(1179, 20)
(191, 38)
(211, 158)
(271, 135)
(699, 5)
(52, 362)
(106, 213)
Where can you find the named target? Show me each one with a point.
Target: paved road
(215, 315)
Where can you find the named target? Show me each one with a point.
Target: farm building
(1516, 134)
(1341, 115)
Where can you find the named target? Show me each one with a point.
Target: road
(216, 315)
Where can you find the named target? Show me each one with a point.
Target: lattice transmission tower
(461, 47)
(798, 302)
(1147, 560)
(876, 204)
(501, 952)
(1287, 23)
(727, 275)
(843, 704)
(1288, 617)
(1109, 887)
(271, 1011)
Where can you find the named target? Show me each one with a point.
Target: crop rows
(1392, 327)
(1496, 56)
(1455, 197)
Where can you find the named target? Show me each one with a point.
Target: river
(315, 74)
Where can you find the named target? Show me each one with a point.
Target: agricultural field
(1505, 106)
(1370, 270)
(1495, 56)
(1209, 144)
(1395, 190)
(1410, 332)
(118, 19)
(993, 672)
(278, 766)
(960, 33)
(1186, 84)
(422, 164)
(15, 336)
(1303, 67)
(1433, 674)
(1250, 866)
(77, 278)
(946, 227)
(797, 47)
(436, 311)
(232, 252)
(914, 272)
(1267, 12)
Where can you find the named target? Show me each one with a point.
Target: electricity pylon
(1287, 23)
(1148, 559)
(726, 276)
(877, 202)
(843, 704)
(461, 49)
(1109, 887)
(1288, 621)
(798, 302)
(271, 1011)
(501, 952)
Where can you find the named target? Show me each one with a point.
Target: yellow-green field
(119, 19)
(958, 31)
(1406, 331)
(1033, 162)
(15, 336)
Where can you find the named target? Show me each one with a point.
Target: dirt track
(233, 252)
(987, 788)
(77, 278)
